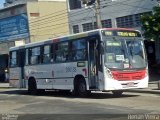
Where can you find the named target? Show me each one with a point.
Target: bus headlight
(109, 74)
(6, 70)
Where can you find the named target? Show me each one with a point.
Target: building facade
(25, 21)
(113, 13)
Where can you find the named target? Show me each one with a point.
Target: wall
(110, 9)
(47, 20)
(13, 26)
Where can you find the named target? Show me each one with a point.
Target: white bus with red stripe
(100, 60)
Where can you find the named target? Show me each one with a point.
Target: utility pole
(96, 9)
(97, 14)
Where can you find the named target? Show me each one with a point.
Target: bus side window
(13, 59)
(46, 58)
(61, 54)
(79, 49)
(46, 54)
(35, 55)
(79, 55)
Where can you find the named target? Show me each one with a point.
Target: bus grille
(134, 75)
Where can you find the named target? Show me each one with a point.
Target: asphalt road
(18, 104)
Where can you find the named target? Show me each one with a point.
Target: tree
(151, 27)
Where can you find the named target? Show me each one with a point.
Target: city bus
(108, 59)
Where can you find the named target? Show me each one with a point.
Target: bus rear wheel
(32, 87)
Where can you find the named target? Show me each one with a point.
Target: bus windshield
(124, 53)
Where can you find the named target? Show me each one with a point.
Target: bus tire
(32, 87)
(117, 93)
(82, 88)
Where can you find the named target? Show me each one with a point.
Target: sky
(1, 3)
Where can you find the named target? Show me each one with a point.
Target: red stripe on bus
(85, 71)
(119, 29)
(133, 75)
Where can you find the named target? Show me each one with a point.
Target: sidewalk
(4, 85)
(152, 88)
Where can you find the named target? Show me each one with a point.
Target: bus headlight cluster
(108, 73)
(6, 70)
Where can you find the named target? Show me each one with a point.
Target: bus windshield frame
(124, 53)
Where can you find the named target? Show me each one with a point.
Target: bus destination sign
(127, 34)
(122, 33)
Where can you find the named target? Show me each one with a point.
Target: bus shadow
(66, 94)
(108, 95)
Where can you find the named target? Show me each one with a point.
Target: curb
(144, 91)
(7, 87)
(153, 89)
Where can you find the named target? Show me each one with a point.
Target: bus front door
(92, 56)
(21, 66)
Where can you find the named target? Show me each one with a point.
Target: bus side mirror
(102, 47)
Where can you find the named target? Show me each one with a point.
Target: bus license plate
(130, 84)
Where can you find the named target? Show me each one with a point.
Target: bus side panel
(51, 76)
(62, 73)
(56, 76)
(42, 74)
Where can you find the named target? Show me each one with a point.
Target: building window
(87, 27)
(106, 23)
(75, 29)
(130, 21)
(34, 15)
(126, 21)
(95, 25)
(90, 26)
(74, 4)
(137, 18)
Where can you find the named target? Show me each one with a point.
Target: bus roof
(120, 29)
(58, 39)
(67, 37)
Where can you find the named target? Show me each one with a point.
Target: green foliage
(151, 24)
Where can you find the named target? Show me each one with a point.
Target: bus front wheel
(81, 88)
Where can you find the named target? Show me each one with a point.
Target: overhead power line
(61, 24)
(57, 18)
